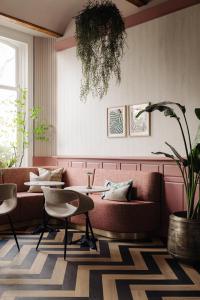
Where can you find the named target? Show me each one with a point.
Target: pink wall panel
(149, 167)
(173, 200)
(94, 165)
(171, 170)
(64, 163)
(44, 161)
(127, 166)
(174, 196)
(78, 164)
(109, 165)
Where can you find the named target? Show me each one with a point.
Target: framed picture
(116, 121)
(139, 126)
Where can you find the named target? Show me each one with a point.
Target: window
(12, 76)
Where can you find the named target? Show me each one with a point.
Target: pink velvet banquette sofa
(111, 218)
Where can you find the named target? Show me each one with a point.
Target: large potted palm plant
(184, 226)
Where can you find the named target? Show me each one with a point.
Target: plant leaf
(182, 108)
(165, 154)
(168, 111)
(197, 112)
(180, 158)
(197, 137)
(195, 158)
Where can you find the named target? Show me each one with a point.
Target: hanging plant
(100, 35)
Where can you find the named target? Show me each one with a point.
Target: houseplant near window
(184, 227)
(100, 36)
(13, 153)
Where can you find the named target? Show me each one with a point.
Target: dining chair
(8, 202)
(62, 204)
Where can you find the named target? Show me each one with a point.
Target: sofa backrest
(1, 176)
(146, 184)
(77, 176)
(18, 176)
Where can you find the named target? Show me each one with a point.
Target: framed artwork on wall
(139, 126)
(116, 121)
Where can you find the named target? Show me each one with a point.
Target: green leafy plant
(100, 35)
(190, 164)
(13, 154)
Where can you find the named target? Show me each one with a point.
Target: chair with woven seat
(8, 202)
(62, 204)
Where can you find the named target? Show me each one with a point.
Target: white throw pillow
(116, 185)
(55, 175)
(33, 177)
(118, 194)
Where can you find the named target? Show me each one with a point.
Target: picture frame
(116, 121)
(139, 126)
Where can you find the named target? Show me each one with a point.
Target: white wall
(162, 62)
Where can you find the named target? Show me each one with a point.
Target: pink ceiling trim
(65, 43)
(143, 16)
(157, 11)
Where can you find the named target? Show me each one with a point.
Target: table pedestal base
(85, 241)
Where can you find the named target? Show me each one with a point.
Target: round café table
(40, 228)
(44, 183)
(86, 190)
(86, 240)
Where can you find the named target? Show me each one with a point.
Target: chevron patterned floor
(118, 270)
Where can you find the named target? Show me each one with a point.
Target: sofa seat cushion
(127, 217)
(31, 205)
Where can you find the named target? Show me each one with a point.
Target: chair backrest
(58, 196)
(8, 191)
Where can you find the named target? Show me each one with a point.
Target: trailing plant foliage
(100, 35)
(190, 164)
(13, 154)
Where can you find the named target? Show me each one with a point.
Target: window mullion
(5, 87)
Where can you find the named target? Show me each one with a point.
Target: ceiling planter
(100, 36)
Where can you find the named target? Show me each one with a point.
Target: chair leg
(13, 231)
(41, 236)
(43, 229)
(87, 226)
(65, 239)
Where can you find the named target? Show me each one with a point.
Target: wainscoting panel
(149, 168)
(127, 166)
(94, 165)
(108, 165)
(78, 164)
(170, 170)
(173, 196)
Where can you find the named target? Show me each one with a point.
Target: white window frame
(23, 43)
